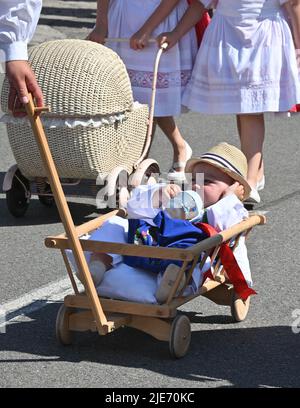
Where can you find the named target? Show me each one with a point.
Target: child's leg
(261, 169)
(166, 280)
(168, 126)
(98, 265)
(104, 258)
(251, 130)
(113, 230)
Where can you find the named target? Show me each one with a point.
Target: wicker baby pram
(94, 128)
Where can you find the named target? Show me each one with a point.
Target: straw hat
(226, 158)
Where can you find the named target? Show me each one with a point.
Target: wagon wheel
(239, 308)
(117, 188)
(63, 334)
(145, 173)
(18, 197)
(44, 188)
(180, 336)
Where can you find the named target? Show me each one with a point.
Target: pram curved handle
(162, 48)
(147, 143)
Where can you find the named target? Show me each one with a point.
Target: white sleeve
(140, 204)
(18, 21)
(226, 212)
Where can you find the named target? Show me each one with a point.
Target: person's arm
(147, 200)
(22, 81)
(163, 194)
(193, 14)
(140, 205)
(18, 21)
(226, 212)
(140, 39)
(293, 9)
(99, 32)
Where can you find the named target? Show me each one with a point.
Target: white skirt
(246, 62)
(126, 17)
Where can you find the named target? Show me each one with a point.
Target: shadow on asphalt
(65, 23)
(245, 357)
(38, 214)
(69, 12)
(78, 14)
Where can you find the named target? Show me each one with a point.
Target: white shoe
(180, 175)
(260, 184)
(169, 277)
(254, 197)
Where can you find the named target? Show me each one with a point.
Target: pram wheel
(63, 334)
(145, 173)
(18, 197)
(180, 336)
(239, 308)
(45, 197)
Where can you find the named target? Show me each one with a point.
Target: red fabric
(200, 27)
(230, 264)
(295, 108)
(207, 274)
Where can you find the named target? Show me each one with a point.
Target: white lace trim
(71, 121)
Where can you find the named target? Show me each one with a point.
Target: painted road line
(35, 300)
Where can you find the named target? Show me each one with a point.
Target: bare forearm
(102, 12)
(293, 9)
(190, 18)
(159, 15)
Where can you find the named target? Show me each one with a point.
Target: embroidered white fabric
(246, 62)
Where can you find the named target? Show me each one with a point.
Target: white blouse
(18, 21)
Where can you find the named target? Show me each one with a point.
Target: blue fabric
(167, 232)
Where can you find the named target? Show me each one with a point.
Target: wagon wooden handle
(102, 324)
(243, 226)
(209, 243)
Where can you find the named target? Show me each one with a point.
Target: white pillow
(126, 283)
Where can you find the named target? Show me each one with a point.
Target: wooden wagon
(84, 311)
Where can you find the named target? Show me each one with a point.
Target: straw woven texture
(81, 79)
(82, 152)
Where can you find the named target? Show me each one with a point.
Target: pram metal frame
(105, 315)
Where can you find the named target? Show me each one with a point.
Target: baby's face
(216, 183)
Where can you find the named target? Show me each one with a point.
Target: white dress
(125, 18)
(246, 62)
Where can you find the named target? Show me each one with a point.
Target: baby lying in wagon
(155, 219)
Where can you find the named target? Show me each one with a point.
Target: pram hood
(79, 78)
(94, 125)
